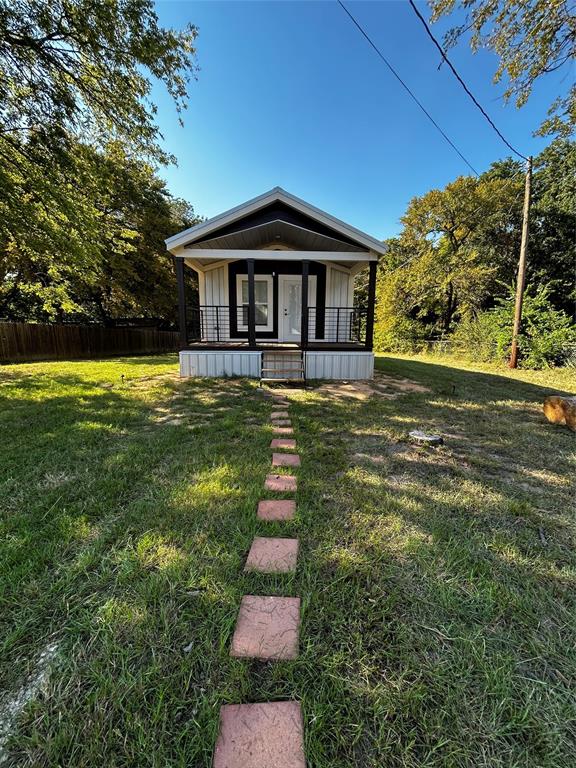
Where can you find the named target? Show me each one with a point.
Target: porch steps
(282, 365)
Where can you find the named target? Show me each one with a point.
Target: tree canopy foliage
(458, 250)
(92, 247)
(83, 213)
(84, 67)
(531, 39)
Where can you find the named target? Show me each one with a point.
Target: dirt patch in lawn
(389, 387)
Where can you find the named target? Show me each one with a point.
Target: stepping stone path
(283, 431)
(277, 509)
(280, 483)
(269, 734)
(287, 443)
(285, 460)
(260, 736)
(272, 555)
(267, 628)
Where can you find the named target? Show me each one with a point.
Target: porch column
(251, 305)
(182, 320)
(304, 321)
(371, 305)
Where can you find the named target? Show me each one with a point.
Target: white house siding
(216, 286)
(349, 366)
(213, 294)
(218, 364)
(339, 293)
(337, 289)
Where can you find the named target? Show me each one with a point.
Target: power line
(461, 81)
(414, 97)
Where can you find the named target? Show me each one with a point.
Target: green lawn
(438, 586)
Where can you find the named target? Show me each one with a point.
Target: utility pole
(521, 267)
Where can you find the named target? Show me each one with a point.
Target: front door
(290, 307)
(290, 295)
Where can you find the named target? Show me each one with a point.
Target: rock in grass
(561, 410)
(417, 436)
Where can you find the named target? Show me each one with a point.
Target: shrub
(546, 339)
(399, 334)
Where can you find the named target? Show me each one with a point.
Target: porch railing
(225, 324)
(337, 325)
(211, 323)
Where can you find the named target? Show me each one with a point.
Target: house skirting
(336, 366)
(332, 365)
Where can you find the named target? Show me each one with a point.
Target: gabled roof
(277, 195)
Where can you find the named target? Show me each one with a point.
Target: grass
(438, 585)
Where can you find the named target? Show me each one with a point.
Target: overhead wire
(406, 87)
(462, 83)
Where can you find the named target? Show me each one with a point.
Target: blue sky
(290, 94)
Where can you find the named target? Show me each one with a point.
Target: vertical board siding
(21, 342)
(351, 366)
(338, 295)
(338, 292)
(216, 364)
(336, 366)
(216, 287)
(216, 295)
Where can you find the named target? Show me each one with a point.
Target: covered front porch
(275, 288)
(273, 304)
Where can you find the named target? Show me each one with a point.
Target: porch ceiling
(273, 235)
(204, 259)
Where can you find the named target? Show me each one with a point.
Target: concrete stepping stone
(287, 443)
(269, 555)
(285, 460)
(267, 735)
(280, 483)
(279, 415)
(282, 430)
(276, 509)
(280, 402)
(281, 423)
(267, 628)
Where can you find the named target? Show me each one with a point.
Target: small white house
(276, 293)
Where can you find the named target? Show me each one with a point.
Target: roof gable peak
(275, 194)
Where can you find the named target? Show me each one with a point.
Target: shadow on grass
(447, 575)
(435, 622)
(482, 385)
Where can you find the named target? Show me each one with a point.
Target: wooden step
(278, 379)
(284, 370)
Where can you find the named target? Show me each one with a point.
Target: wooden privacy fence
(30, 341)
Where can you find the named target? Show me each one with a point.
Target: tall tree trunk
(451, 303)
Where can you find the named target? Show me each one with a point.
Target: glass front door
(292, 308)
(290, 290)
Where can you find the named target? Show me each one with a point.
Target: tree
(552, 248)
(98, 252)
(81, 209)
(458, 249)
(84, 67)
(461, 237)
(531, 39)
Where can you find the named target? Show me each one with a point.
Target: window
(262, 299)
